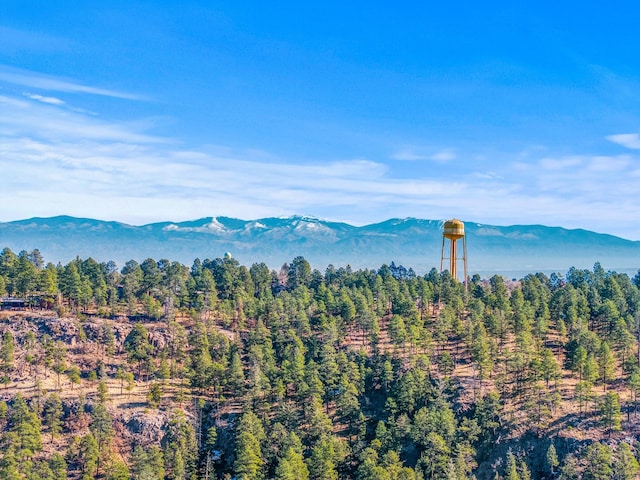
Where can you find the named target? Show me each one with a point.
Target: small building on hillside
(13, 303)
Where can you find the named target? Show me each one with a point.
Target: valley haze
(512, 251)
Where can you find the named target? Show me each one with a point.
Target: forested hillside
(218, 371)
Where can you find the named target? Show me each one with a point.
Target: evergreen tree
(610, 411)
(549, 366)
(137, 346)
(511, 470)
(236, 376)
(292, 466)
(523, 470)
(250, 434)
(7, 351)
(52, 415)
(551, 459)
(88, 456)
(147, 464)
(117, 470)
(25, 428)
(180, 448)
(322, 461)
(625, 465)
(58, 466)
(606, 363)
(570, 469)
(102, 427)
(9, 467)
(598, 459)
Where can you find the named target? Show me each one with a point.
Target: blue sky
(353, 111)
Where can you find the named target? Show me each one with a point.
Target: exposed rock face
(158, 339)
(63, 329)
(145, 427)
(66, 329)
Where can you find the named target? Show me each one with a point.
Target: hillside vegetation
(217, 371)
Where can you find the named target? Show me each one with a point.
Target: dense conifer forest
(218, 371)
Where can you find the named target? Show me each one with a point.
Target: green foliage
(610, 411)
(58, 466)
(179, 448)
(7, 349)
(24, 429)
(137, 345)
(52, 415)
(551, 459)
(154, 397)
(511, 470)
(292, 466)
(250, 434)
(598, 459)
(117, 470)
(379, 374)
(147, 464)
(625, 464)
(101, 426)
(88, 455)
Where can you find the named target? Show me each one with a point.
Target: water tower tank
(453, 229)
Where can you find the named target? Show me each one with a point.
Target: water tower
(454, 231)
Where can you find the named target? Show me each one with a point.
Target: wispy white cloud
(560, 163)
(26, 78)
(604, 164)
(43, 99)
(413, 154)
(486, 175)
(42, 120)
(628, 140)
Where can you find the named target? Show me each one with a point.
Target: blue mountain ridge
(510, 250)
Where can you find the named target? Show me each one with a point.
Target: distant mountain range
(512, 251)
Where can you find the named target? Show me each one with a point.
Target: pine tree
(236, 376)
(610, 412)
(102, 427)
(250, 434)
(26, 428)
(634, 386)
(7, 349)
(322, 461)
(58, 466)
(117, 470)
(180, 448)
(591, 369)
(625, 465)
(511, 470)
(248, 464)
(523, 470)
(606, 364)
(480, 351)
(570, 469)
(292, 466)
(551, 459)
(598, 460)
(9, 467)
(147, 464)
(88, 456)
(52, 415)
(549, 366)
